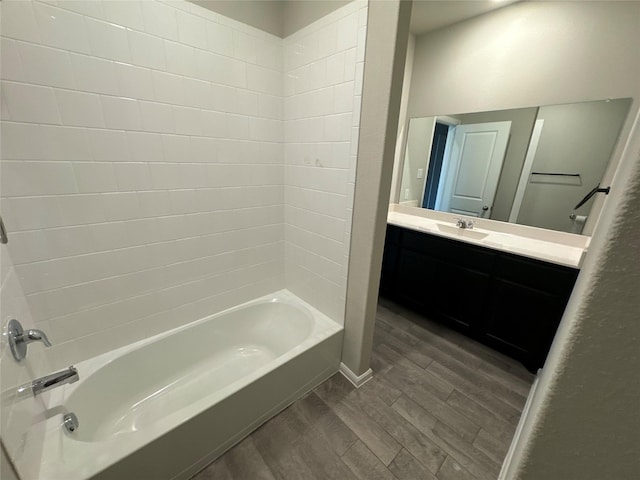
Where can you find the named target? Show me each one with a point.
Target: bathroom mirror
(530, 166)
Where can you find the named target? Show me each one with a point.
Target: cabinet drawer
(535, 274)
(450, 251)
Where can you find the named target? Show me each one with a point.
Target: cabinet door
(415, 279)
(389, 270)
(388, 273)
(460, 296)
(522, 321)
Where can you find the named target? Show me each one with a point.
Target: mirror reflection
(530, 166)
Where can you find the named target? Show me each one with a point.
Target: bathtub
(165, 407)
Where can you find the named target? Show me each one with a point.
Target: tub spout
(54, 380)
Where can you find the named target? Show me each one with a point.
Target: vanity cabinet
(509, 302)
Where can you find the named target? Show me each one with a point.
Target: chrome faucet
(48, 382)
(462, 223)
(19, 339)
(34, 335)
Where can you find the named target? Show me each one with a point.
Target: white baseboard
(506, 464)
(357, 380)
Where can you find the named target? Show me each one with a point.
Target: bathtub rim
(57, 460)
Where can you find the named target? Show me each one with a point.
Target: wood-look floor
(440, 406)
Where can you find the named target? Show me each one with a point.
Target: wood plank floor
(440, 406)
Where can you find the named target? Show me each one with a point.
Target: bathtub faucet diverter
(48, 382)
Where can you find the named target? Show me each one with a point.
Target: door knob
(485, 208)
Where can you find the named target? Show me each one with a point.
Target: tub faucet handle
(20, 338)
(33, 335)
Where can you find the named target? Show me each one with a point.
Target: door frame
(526, 170)
(452, 123)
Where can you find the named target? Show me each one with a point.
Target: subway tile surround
(149, 202)
(322, 112)
(161, 162)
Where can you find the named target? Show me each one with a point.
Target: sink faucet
(48, 382)
(462, 223)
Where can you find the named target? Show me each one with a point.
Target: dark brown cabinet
(511, 303)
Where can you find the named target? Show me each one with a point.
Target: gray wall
(300, 13)
(522, 121)
(419, 140)
(576, 138)
(278, 17)
(265, 15)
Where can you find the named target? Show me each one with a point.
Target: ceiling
(428, 15)
(283, 17)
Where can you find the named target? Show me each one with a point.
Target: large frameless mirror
(532, 166)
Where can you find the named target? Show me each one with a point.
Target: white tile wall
(322, 89)
(20, 415)
(142, 172)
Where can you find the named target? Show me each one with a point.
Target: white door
(473, 168)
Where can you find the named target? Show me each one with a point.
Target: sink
(462, 232)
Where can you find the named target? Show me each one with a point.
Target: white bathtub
(164, 407)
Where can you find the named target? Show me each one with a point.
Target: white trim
(356, 380)
(446, 158)
(526, 171)
(506, 464)
(426, 166)
(451, 121)
(403, 125)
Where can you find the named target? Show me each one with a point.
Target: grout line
(118, 326)
(476, 437)
(352, 443)
(443, 462)
(158, 217)
(180, 105)
(449, 396)
(400, 451)
(160, 268)
(128, 29)
(126, 130)
(148, 244)
(252, 266)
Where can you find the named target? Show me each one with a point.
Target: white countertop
(557, 247)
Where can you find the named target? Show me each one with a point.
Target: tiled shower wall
(323, 66)
(142, 173)
(20, 415)
(150, 173)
